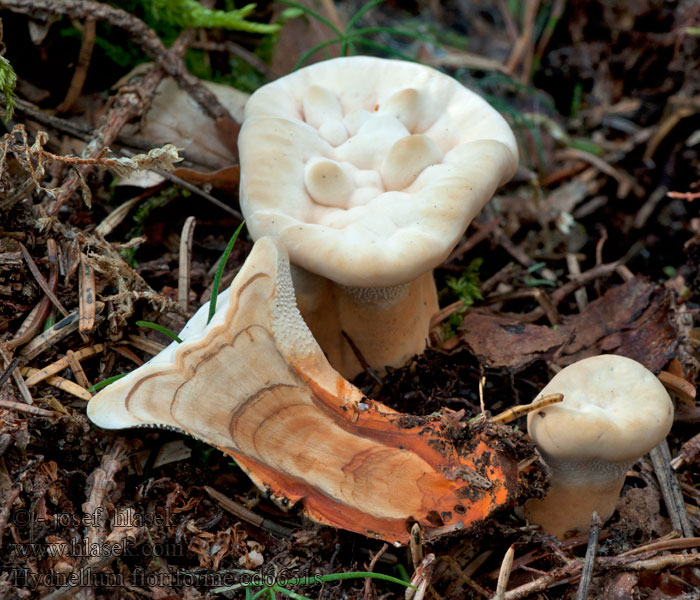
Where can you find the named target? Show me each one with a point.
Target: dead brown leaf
(633, 319)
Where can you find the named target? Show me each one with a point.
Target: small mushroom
(255, 384)
(614, 411)
(369, 171)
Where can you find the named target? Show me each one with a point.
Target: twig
(558, 295)
(504, 573)
(367, 592)
(524, 43)
(679, 386)
(61, 384)
(589, 561)
(332, 13)
(43, 284)
(443, 313)
(690, 196)
(523, 409)
(518, 254)
(511, 27)
(625, 181)
(77, 369)
(659, 563)
(575, 270)
(38, 315)
(81, 69)
(649, 206)
(673, 496)
(361, 359)
(483, 232)
(183, 277)
(142, 343)
(8, 371)
(239, 51)
(673, 544)
(17, 376)
(547, 305)
(25, 408)
(247, 515)
(52, 335)
(554, 16)
(416, 545)
(192, 188)
(86, 296)
(542, 583)
(421, 578)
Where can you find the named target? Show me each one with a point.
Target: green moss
(8, 80)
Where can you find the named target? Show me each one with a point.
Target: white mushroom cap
(614, 409)
(369, 170)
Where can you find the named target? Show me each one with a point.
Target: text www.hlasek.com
(123, 547)
(26, 578)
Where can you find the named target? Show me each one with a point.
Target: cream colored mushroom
(614, 411)
(369, 171)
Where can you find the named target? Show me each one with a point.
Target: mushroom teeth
(254, 383)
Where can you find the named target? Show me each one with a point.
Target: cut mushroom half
(255, 384)
(369, 171)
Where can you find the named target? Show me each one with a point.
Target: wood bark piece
(255, 384)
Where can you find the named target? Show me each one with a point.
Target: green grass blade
(220, 271)
(290, 593)
(383, 48)
(315, 580)
(314, 14)
(392, 31)
(343, 576)
(315, 49)
(106, 382)
(361, 13)
(171, 334)
(351, 24)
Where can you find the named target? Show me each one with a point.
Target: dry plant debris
(593, 248)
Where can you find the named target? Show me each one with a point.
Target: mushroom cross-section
(369, 171)
(255, 384)
(614, 411)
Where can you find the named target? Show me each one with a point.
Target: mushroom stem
(254, 383)
(572, 499)
(387, 325)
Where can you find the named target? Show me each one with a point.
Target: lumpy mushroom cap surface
(369, 170)
(614, 409)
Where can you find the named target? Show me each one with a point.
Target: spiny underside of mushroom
(255, 384)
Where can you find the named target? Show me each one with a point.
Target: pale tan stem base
(568, 508)
(388, 325)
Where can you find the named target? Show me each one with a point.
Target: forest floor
(593, 247)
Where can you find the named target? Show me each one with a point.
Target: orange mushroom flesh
(255, 384)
